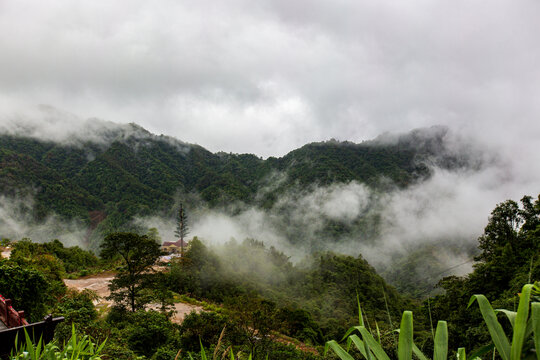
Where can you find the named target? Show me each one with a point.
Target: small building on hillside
(174, 247)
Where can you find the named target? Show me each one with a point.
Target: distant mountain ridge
(133, 172)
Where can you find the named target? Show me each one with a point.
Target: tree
(501, 231)
(27, 288)
(138, 254)
(182, 229)
(256, 317)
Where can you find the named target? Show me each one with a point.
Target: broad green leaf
(511, 315)
(535, 319)
(360, 345)
(350, 331)
(440, 351)
(340, 352)
(495, 329)
(480, 352)
(520, 325)
(405, 336)
(419, 354)
(374, 346)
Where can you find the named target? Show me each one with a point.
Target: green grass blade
(29, 345)
(360, 345)
(350, 331)
(495, 329)
(440, 351)
(535, 319)
(511, 315)
(38, 347)
(520, 326)
(419, 354)
(340, 352)
(482, 351)
(389, 317)
(461, 355)
(374, 346)
(360, 317)
(203, 353)
(405, 347)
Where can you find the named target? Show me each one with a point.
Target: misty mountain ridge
(123, 170)
(324, 195)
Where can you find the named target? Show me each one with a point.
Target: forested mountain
(245, 283)
(130, 171)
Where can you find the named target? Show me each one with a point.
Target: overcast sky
(266, 77)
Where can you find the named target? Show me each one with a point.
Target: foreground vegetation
(269, 306)
(524, 343)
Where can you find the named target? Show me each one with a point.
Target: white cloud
(200, 71)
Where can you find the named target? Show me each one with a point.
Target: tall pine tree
(182, 229)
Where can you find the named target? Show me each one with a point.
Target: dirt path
(100, 284)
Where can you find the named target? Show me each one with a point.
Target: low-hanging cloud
(446, 212)
(16, 222)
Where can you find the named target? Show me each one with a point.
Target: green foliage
(77, 348)
(525, 326)
(509, 258)
(71, 259)
(311, 298)
(206, 327)
(523, 344)
(107, 184)
(371, 349)
(182, 228)
(138, 254)
(76, 308)
(27, 288)
(147, 331)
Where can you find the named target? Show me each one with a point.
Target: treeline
(141, 173)
(261, 298)
(509, 258)
(266, 303)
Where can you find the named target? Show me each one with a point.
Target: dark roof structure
(12, 324)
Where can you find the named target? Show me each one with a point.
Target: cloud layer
(268, 76)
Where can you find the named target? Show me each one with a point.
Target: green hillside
(137, 173)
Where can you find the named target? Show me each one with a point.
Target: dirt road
(100, 284)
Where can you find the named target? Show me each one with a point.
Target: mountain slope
(133, 172)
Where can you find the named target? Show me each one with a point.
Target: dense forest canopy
(323, 196)
(320, 197)
(247, 285)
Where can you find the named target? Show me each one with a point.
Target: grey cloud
(266, 77)
(16, 222)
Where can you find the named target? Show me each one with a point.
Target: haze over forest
(426, 190)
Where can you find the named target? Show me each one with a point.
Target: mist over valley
(427, 192)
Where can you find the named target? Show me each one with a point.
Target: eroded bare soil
(100, 284)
